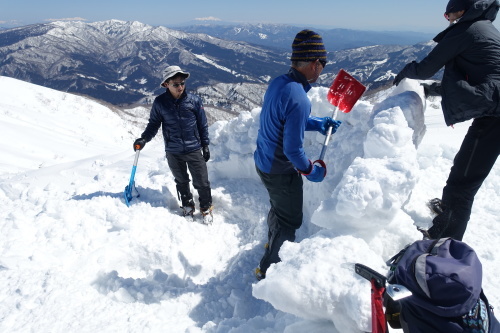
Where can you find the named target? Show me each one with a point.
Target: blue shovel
(130, 190)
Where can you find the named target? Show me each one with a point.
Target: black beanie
(308, 46)
(458, 5)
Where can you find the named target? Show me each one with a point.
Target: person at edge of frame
(469, 50)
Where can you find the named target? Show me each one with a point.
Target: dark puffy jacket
(184, 123)
(469, 50)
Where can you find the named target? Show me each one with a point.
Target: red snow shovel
(343, 94)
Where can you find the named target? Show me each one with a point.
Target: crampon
(187, 210)
(208, 218)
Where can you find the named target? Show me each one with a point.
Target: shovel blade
(345, 91)
(130, 193)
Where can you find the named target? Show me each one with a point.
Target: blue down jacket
(183, 121)
(469, 50)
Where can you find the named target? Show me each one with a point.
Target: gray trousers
(285, 216)
(179, 165)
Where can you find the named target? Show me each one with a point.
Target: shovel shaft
(325, 144)
(327, 137)
(132, 176)
(134, 167)
(136, 156)
(130, 189)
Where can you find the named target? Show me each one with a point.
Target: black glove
(139, 144)
(206, 153)
(409, 68)
(433, 89)
(398, 79)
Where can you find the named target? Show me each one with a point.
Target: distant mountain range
(122, 62)
(280, 36)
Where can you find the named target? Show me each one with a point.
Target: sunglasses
(177, 85)
(322, 62)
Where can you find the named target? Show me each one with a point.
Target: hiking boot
(207, 215)
(259, 274)
(440, 224)
(188, 208)
(436, 206)
(425, 233)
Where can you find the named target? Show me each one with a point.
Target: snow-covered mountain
(278, 35)
(376, 66)
(75, 258)
(121, 62)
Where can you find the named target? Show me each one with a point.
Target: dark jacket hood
(480, 10)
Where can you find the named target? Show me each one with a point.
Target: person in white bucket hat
(172, 71)
(185, 132)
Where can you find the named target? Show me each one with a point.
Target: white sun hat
(171, 71)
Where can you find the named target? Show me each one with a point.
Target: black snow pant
(471, 166)
(179, 164)
(285, 216)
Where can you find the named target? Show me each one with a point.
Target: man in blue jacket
(185, 132)
(469, 50)
(280, 159)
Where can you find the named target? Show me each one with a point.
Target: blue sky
(422, 15)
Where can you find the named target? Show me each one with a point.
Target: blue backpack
(445, 278)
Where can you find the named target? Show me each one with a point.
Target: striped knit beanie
(308, 46)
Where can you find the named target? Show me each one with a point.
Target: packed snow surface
(75, 258)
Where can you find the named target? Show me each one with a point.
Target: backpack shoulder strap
(435, 245)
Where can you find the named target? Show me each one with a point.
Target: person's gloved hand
(206, 153)
(139, 144)
(322, 124)
(408, 71)
(398, 78)
(433, 89)
(317, 173)
(329, 122)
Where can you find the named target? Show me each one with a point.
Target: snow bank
(371, 192)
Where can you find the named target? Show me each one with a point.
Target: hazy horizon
(425, 16)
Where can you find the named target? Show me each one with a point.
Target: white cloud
(67, 19)
(10, 22)
(209, 18)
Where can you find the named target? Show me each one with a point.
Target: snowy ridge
(122, 62)
(73, 257)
